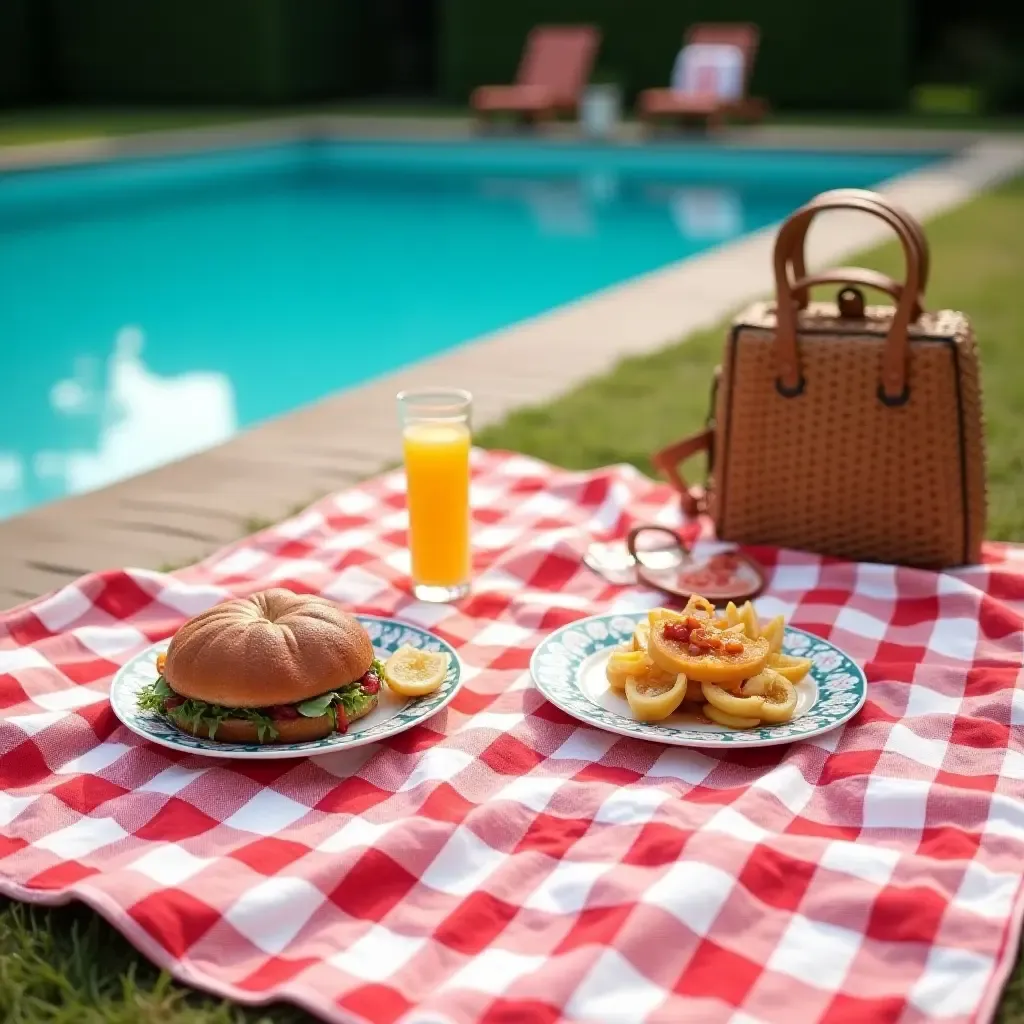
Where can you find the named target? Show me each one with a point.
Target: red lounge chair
(710, 79)
(553, 71)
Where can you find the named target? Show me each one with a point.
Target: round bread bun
(290, 730)
(274, 647)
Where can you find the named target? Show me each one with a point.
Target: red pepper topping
(701, 638)
(676, 631)
(371, 684)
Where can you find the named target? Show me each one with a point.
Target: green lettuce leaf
(355, 702)
(152, 697)
(199, 716)
(317, 706)
(351, 698)
(205, 719)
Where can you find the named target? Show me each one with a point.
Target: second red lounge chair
(710, 79)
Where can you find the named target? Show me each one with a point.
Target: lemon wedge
(653, 702)
(777, 693)
(641, 635)
(622, 665)
(794, 669)
(720, 717)
(411, 672)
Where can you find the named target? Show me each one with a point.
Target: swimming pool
(151, 308)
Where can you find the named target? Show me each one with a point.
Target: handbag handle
(854, 276)
(892, 389)
(668, 459)
(911, 224)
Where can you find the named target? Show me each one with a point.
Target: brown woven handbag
(842, 429)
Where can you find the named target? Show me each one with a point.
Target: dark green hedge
(218, 51)
(22, 54)
(814, 55)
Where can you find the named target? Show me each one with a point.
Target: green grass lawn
(23, 127)
(66, 966)
(55, 124)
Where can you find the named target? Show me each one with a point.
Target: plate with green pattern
(569, 669)
(392, 715)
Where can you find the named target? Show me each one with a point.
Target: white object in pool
(138, 406)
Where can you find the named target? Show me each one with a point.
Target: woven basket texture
(834, 469)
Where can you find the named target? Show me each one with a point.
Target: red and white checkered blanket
(504, 863)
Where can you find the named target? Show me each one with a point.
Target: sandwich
(276, 667)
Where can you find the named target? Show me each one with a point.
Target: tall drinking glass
(436, 440)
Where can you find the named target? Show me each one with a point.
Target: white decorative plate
(569, 669)
(392, 715)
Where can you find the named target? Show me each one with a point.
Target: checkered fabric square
(503, 862)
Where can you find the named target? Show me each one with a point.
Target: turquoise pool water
(149, 309)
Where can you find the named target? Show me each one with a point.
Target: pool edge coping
(311, 127)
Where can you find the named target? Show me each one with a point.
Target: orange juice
(437, 475)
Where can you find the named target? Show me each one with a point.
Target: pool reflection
(572, 206)
(117, 425)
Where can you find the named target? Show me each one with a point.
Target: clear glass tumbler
(436, 440)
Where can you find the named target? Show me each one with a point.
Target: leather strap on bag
(667, 461)
(855, 276)
(789, 251)
(797, 262)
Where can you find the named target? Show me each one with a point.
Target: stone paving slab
(184, 510)
(30, 156)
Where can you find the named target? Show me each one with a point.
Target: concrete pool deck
(186, 510)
